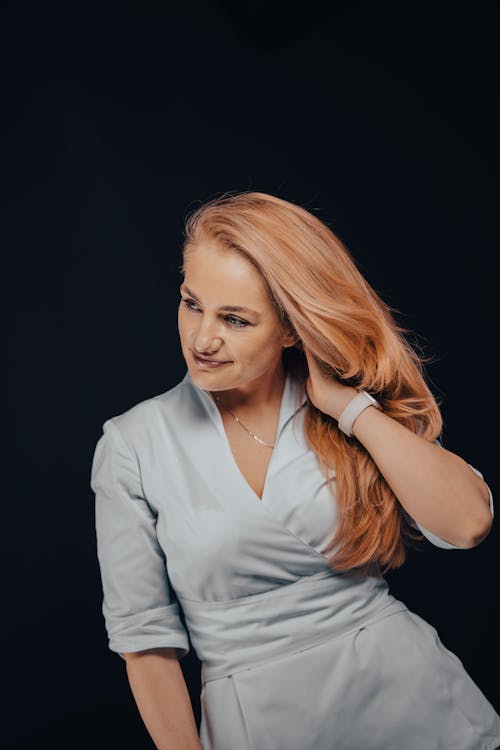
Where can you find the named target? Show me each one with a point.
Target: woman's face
(248, 340)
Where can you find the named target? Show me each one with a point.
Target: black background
(379, 117)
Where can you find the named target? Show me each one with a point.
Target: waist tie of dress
(232, 635)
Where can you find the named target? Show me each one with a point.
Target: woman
(269, 491)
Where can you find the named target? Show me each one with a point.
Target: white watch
(354, 408)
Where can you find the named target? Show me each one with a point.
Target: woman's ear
(292, 339)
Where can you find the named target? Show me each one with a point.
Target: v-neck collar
(291, 402)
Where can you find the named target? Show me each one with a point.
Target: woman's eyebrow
(232, 308)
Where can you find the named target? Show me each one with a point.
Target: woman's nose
(206, 337)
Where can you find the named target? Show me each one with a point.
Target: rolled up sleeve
(436, 540)
(138, 605)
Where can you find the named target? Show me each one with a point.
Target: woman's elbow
(481, 533)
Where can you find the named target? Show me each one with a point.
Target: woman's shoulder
(143, 419)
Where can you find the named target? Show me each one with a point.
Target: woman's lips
(207, 365)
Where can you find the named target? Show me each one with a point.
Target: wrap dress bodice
(293, 653)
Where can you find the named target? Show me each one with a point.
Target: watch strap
(356, 405)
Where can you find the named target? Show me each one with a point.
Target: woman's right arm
(162, 697)
(141, 613)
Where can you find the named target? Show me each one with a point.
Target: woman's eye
(236, 324)
(239, 323)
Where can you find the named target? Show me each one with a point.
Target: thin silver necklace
(255, 437)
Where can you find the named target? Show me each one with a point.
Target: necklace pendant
(268, 445)
(252, 434)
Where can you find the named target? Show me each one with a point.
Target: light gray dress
(294, 656)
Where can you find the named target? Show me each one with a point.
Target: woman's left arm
(436, 487)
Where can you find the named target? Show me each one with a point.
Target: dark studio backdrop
(377, 116)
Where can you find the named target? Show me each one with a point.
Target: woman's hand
(326, 392)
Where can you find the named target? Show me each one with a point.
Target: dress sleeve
(138, 607)
(436, 540)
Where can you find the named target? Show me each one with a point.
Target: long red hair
(317, 289)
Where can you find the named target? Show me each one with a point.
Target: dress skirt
(390, 684)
